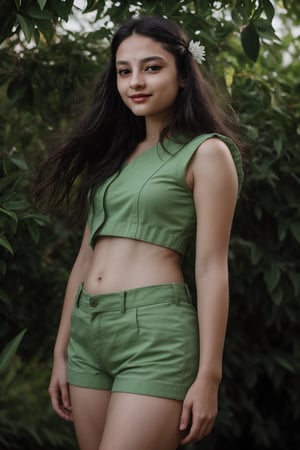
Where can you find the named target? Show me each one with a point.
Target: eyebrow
(144, 60)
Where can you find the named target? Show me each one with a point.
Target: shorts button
(93, 302)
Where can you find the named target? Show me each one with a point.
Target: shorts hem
(151, 387)
(89, 381)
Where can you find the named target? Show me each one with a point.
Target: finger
(65, 396)
(56, 402)
(185, 417)
(199, 429)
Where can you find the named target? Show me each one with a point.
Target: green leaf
(269, 9)
(4, 297)
(16, 205)
(46, 28)
(272, 277)
(295, 229)
(265, 29)
(295, 280)
(250, 41)
(256, 254)
(10, 349)
(26, 25)
(6, 27)
(284, 362)
(42, 3)
(61, 8)
(236, 17)
(4, 243)
(34, 231)
(19, 163)
(90, 5)
(36, 13)
(243, 8)
(11, 214)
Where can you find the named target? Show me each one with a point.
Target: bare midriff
(119, 264)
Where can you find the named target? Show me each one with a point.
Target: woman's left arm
(214, 181)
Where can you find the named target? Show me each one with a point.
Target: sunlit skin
(148, 83)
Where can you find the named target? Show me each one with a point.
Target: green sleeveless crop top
(148, 198)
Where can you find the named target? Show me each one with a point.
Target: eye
(123, 72)
(153, 68)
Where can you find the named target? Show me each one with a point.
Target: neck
(153, 129)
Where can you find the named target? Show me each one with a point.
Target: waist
(121, 264)
(132, 298)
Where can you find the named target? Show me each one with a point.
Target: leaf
(42, 3)
(10, 349)
(61, 8)
(16, 90)
(46, 28)
(26, 25)
(4, 243)
(4, 297)
(250, 41)
(295, 280)
(243, 8)
(36, 13)
(90, 5)
(269, 9)
(19, 163)
(265, 29)
(236, 17)
(34, 231)
(283, 362)
(272, 277)
(295, 229)
(11, 214)
(6, 27)
(16, 205)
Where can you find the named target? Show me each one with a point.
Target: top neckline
(170, 145)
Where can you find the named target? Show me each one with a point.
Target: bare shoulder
(213, 164)
(212, 149)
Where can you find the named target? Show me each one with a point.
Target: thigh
(136, 422)
(89, 408)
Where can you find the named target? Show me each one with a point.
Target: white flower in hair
(197, 51)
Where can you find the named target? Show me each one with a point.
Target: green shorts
(141, 341)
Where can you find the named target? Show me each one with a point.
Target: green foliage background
(40, 86)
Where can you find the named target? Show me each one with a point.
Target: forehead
(138, 47)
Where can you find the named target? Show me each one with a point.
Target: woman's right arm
(58, 387)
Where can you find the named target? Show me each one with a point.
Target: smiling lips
(139, 98)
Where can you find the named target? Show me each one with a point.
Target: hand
(59, 390)
(199, 409)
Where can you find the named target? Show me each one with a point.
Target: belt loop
(176, 294)
(187, 291)
(123, 303)
(77, 296)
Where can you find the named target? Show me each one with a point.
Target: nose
(137, 80)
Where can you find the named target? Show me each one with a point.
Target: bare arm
(215, 185)
(58, 389)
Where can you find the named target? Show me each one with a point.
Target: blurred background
(51, 52)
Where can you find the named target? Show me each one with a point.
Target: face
(147, 78)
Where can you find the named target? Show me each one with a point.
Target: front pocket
(160, 317)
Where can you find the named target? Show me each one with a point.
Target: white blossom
(197, 51)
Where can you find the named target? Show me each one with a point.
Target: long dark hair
(108, 132)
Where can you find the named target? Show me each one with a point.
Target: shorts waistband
(132, 298)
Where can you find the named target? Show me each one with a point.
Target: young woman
(158, 170)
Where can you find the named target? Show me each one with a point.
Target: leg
(89, 407)
(136, 422)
